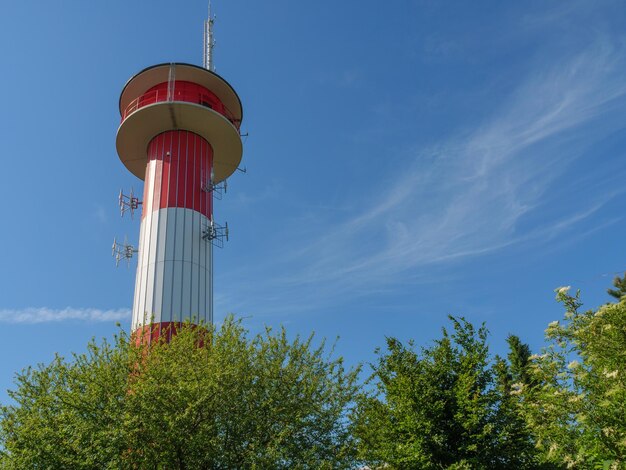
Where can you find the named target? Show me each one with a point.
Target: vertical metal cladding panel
(207, 256)
(168, 290)
(159, 269)
(195, 264)
(153, 295)
(202, 282)
(143, 313)
(177, 289)
(180, 142)
(138, 304)
(187, 262)
(160, 151)
(174, 269)
(139, 310)
(173, 177)
(153, 220)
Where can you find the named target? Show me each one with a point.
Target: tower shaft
(180, 134)
(174, 274)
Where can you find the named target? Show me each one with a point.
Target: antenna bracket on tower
(123, 251)
(128, 203)
(218, 189)
(215, 233)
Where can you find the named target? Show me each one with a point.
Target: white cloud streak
(472, 195)
(32, 315)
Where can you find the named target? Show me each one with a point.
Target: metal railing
(159, 96)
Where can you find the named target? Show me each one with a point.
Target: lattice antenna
(128, 203)
(218, 189)
(215, 233)
(209, 42)
(123, 251)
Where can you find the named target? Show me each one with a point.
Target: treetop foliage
(444, 406)
(578, 412)
(219, 398)
(620, 287)
(233, 402)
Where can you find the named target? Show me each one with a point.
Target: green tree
(448, 406)
(69, 414)
(211, 398)
(519, 360)
(620, 287)
(578, 411)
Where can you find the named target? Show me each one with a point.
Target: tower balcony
(177, 96)
(182, 91)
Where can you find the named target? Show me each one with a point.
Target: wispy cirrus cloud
(468, 196)
(47, 315)
(473, 194)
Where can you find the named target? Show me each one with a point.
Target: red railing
(158, 96)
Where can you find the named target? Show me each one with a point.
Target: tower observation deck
(179, 133)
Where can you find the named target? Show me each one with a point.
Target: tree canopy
(578, 412)
(446, 406)
(211, 398)
(220, 398)
(619, 283)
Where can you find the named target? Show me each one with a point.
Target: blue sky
(406, 160)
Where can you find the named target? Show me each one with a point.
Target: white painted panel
(195, 267)
(171, 236)
(141, 292)
(208, 284)
(151, 221)
(185, 281)
(149, 289)
(179, 221)
(169, 310)
(154, 232)
(174, 272)
(195, 281)
(136, 301)
(157, 305)
(177, 300)
(203, 244)
(202, 293)
(198, 242)
(160, 226)
(186, 289)
(141, 299)
(162, 244)
(188, 234)
(168, 279)
(149, 194)
(149, 307)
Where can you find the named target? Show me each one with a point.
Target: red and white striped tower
(180, 134)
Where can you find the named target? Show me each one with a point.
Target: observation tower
(179, 133)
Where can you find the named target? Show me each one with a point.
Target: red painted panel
(158, 173)
(163, 331)
(183, 91)
(197, 175)
(166, 155)
(166, 176)
(203, 178)
(146, 190)
(182, 168)
(179, 175)
(174, 163)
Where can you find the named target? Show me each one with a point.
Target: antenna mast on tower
(209, 42)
